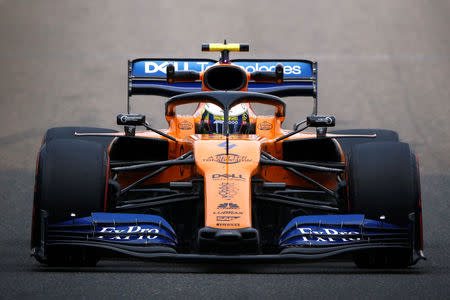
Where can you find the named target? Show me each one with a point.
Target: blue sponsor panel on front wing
(328, 230)
(121, 228)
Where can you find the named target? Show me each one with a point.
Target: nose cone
(227, 180)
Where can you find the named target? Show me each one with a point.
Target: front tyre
(383, 182)
(71, 180)
(347, 143)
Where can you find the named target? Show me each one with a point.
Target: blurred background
(382, 64)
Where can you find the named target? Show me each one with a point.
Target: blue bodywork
(150, 74)
(328, 230)
(133, 229)
(157, 68)
(151, 237)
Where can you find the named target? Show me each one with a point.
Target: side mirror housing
(130, 119)
(320, 121)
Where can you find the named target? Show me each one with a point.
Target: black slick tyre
(382, 135)
(71, 179)
(383, 183)
(58, 133)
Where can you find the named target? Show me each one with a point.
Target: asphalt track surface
(382, 64)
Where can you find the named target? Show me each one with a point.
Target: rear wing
(147, 76)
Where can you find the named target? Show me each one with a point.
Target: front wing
(150, 237)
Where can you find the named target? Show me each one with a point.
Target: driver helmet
(212, 119)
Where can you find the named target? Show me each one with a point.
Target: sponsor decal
(227, 189)
(323, 230)
(231, 176)
(324, 119)
(128, 233)
(253, 67)
(264, 125)
(224, 145)
(185, 125)
(228, 212)
(154, 67)
(326, 231)
(226, 218)
(326, 235)
(227, 159)
(327, 239)
(228, 224)
(292, 69)
(227, 205)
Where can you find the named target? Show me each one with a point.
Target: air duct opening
(225, 78)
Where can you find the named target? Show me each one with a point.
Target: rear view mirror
(130, 119)
(320, 121)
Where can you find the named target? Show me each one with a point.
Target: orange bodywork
(227, 180)
(227, 176)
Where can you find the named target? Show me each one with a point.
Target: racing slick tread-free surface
(383, 181)
(69, 133)
(383, 135)
(71, 178)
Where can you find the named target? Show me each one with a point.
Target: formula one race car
(225, 184)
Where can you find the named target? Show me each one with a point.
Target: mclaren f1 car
(224, 183)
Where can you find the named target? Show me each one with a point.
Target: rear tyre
(383, 181)
(71, 178)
